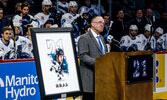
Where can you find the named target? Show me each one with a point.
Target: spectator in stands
(155, 11)
(42, 17)
(63, 6)
(106, 18)
(18, 8)
(6, 44)
(140, 4)
(148, 16)
(5, 6)
(119, 27)
(139, 21)
(160, 7)
(68, 18)
(162, 22)
(2, 21)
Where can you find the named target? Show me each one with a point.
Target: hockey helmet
(46, 2)
(59, 51)
(147, 27)
(133, 27)
(159, 30)
(73, 3)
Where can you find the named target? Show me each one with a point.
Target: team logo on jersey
(20, 20)
(2, 49)
(70, 17)
(42, 18)
(128, 41)
(1, 83)
(86, 9)
(29, 45)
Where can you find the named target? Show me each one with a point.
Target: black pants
(88, 96)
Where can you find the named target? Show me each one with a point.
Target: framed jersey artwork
(56, 62)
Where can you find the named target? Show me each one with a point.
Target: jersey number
(137, 65)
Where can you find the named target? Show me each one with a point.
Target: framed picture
(139, 68)
(56, 62)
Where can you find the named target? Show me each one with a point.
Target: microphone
(110, 38)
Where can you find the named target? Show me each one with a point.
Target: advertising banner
(161, 73)
(19, 81)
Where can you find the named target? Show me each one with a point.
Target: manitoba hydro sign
(19, 81)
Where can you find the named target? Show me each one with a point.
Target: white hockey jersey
(17, 21)
(86, 9)
(67, 19)
(24, 45)
(162, 42)
(127, 41)
(95, 9)
(42, 18)
(142, 42)
(6, 51)
(61, 5)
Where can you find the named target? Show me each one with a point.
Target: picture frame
(139, 69)
(56, 62)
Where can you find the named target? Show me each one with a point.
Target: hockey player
(6, 44)
(95, 8)
(158, 32)
(63, 6)
(23, 45)
(24, 18)
(60, 64)
(42, 17)
(86, 6)
(68, 18)
(144, 41)
(128, 42)
(162, 41)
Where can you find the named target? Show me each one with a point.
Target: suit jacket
(89, 50)
(140, 25)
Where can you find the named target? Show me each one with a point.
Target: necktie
(101, 46)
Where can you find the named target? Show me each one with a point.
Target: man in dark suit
(139, 21)
(90, 47)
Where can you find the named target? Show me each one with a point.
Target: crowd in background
(18, 16)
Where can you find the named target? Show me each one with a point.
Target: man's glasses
(99, 22)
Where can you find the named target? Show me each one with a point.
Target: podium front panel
(139, 68)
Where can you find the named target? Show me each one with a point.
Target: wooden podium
(111, 78)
